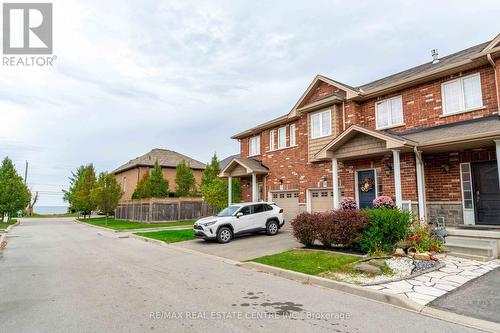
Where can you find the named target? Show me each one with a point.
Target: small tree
(107, 193)
(81, 199)
(214, 189)
(157, 185)
(69, 195)
(185, 184)
(211, 172)
(142, 189)
(14, 194)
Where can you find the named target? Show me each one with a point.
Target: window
(259, 209)
(292, 135)
(271, 140)
(466, 185)
(462, 94)
(389, 112)
(321, 124)
(282, 137)
(254, 148)
(247, 210)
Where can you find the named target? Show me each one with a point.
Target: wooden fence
(161, 210)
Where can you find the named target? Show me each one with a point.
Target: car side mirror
(239, 214)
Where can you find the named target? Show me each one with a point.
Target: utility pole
(26, 173)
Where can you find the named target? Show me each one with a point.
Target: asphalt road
(59, 276)
(479, 298)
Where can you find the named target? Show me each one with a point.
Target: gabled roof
(495, 42)
(249, 164)
(223, 163)
(166, 158)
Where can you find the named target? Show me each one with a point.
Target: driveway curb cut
(133, 230)
(472, 322)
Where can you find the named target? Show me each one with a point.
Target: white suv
(240, 219)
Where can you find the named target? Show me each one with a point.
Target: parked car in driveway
(240, 219)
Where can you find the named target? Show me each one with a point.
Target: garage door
(289, 201)
(321, 200)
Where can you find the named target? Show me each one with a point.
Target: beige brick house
(429, 137)
(129, 174)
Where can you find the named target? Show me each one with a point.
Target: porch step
(472, 248)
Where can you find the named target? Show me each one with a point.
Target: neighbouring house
(129, 174)
(429, 137)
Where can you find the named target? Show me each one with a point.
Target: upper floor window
(254, 146)
(282, 137)
(321, 124)
(462, 94)
(389, 112)
(292, 135)
(271, 140)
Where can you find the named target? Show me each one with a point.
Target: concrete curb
(182, 249)
(472, 322)
(134, 230)
(3, 236)
(395, 300)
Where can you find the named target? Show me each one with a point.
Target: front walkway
(427, 287)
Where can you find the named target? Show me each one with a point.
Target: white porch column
(420, 186)
(397, 179)
(254, 188)
(335, 182)
(229, 190)
(498, 159)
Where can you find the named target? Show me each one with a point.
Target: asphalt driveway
(245, 247)
(479, 298)
(60, 276)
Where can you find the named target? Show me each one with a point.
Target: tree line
(14, 194)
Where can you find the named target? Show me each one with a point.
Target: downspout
(490, 59)
(422, 210)
(343, 115)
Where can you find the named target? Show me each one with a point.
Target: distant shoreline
(50, 210)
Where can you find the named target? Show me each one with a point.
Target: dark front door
(486, 192)
(366, 188)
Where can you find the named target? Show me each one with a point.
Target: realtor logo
(27, 28)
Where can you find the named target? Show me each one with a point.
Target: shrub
(348, 226)
(325, 227)
(386, 227)
(383, 201)
(421, 238)
(348, 203)
(305, 228)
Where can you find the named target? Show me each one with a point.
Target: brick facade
(290, 168)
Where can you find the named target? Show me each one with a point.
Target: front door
(486, 192)
(367, 189)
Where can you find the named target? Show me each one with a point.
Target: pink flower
(348, 203)
(383, 201)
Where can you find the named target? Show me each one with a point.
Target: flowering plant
(383, 201)
(348, 203)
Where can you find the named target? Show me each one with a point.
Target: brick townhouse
(428, 137)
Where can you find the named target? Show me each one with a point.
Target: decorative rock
(399, 252)
(422, 256)
(377, 262)
(367, 268)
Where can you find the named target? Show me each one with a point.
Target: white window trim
(279, 137)
(390, 125)
(293, 134)
(321, 135)
(250, 146)
(271, 140)
(462, 95)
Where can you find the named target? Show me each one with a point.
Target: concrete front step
(472, 248)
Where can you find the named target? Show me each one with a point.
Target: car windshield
(228, 211)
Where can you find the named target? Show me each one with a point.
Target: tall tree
(185, 184)
(73, 179)
(106, 194)
(158, 185)
(14, 195)
(211, 172)
(214, 189)
(142, 189)
(81, 199)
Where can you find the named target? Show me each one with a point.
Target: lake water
(45, 210)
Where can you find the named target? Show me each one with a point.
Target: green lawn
(4, 226)
(309, 262)
(125, 225)
(169, 236)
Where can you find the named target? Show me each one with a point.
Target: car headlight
(209, 224)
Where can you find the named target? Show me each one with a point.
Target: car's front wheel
(224, 235)
(272, 228)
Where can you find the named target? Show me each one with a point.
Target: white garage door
(289, 201)
(321, 200)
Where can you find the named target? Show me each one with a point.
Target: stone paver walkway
(427, 287)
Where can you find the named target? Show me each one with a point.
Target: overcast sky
(185, 75)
